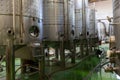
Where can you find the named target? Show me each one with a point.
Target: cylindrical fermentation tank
(81, 7)
(116, 20)
(116, 26)
(58, 19)
(28, 20)
(84, 19)
(91, 23)
(78, 18)
(101, 30)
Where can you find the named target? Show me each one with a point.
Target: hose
(27, 65)
(2, 60)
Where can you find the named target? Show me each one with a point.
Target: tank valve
(109, 52)
(118, 52)
(112, 59)
(10, 32)
(111, 69)
(112, 53)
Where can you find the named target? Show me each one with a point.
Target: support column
(56, 53)
(73, 53)
(62, 54)
(10, 57)
(42, 64)
(81, 48)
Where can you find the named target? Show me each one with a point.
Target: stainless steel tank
(71, 20)
(81, 7)
(84, 19)
(78, 18)
(116, 20)
(116, 25)
(58, 19)
(91, 23)
(28, 20)
(102, 33)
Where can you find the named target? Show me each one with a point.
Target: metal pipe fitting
(111, 69)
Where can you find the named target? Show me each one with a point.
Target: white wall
(103, 9)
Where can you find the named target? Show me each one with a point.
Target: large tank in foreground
(116, 19)
(28, 26)
(58, 19)
(116, 24)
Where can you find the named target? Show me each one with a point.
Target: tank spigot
(111, 69)
(112, 53)
(117, 51)
(109, 53)
(10, 32)
(112, 59)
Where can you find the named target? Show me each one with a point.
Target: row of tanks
(46, 21)
(27, 27)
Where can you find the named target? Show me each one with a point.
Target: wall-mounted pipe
(21, 21)
(14, 16)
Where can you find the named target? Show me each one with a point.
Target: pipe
(114, 23)
(21, 22)
(84, 28)
(38, 69)
(111, 69)
(64, 13)
(2, 60)
(14, 16)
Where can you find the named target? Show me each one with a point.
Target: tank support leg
(81, 48)
(56, 53)
(62, 54)
(42, 65)
(10, 60)
(73, 53)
